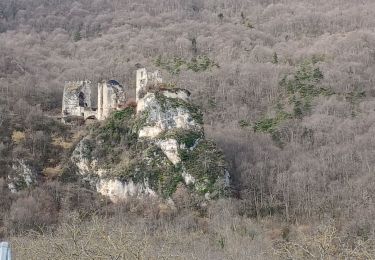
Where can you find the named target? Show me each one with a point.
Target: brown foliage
(324, 167)
(32, 212)
(130, 103)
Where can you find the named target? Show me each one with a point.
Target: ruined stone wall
(102, 101)
(76, 97)
(144, 80)
(110, 97)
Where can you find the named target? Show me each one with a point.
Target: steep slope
(151, 150)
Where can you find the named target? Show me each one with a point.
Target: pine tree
(275, 58)
(77, 36)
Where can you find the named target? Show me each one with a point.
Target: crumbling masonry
(111, 96)
(77, 100)
(145, 80)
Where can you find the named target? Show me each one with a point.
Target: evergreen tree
(275, 58)
(77, 36)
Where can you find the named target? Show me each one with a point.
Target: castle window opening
(81, 100)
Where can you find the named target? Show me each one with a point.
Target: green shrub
(269, 125)
(301, 88)
(243, 123)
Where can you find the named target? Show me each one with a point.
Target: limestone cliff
(152, 149)
(22, 175)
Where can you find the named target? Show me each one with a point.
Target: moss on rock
(168, 103)
(116, 148)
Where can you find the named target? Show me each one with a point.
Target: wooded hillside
(286, 88)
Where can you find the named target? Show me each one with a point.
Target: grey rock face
(166, 110)
(23, 176)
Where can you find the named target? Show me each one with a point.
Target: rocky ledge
(151, 149)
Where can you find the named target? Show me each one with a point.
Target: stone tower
(76, 98)
(146, 79)
(111, 97)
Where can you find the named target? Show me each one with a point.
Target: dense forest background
(287, 90)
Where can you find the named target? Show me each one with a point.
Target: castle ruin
(77, 100)
(112, 96)
(146, 80)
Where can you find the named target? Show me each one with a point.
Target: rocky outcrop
(151, 150)
(23, 176)
(163, 111)
(118, 190)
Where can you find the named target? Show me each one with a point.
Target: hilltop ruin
(77, 100)
(112, 96)
(161, 142)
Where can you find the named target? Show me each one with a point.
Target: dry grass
(52, 172)
(18, 137)
(59, 141)
(182, 237)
